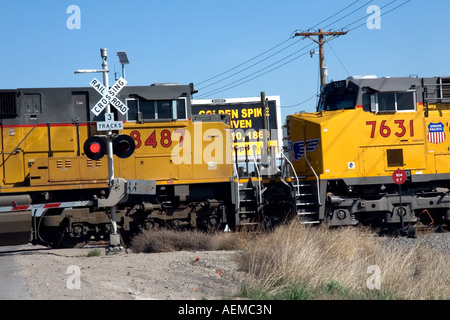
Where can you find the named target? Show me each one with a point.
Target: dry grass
(300, 262)
(167, 241)
(323, 263)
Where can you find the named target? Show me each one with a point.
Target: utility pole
(321, 41)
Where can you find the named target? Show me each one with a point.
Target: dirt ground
(69, 274)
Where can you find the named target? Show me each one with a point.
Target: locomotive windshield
(331, 102)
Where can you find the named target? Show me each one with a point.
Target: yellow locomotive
(364, 129)
(54, 187)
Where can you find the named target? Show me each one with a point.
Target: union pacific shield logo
(436, 132)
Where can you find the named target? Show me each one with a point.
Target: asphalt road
(12, 287)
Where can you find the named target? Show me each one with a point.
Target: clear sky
(245, 46)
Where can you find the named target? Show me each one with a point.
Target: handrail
(236, 174)
(293, 171)
(317, 179)
(436, 86)
(310, 166)
(259, 175)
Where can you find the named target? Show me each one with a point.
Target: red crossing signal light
(95, 147)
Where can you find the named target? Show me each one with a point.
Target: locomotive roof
(36, 105)
(386, 84)
(356, 90)
(151, 92)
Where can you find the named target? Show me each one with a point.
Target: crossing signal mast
(121, 145)
(321, 40)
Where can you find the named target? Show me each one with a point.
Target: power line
(347, 15)
(321, 41)
(365, 23)
(267, 51)
(343, 66)
(245, 62)
(233, 85)
(236, 73)
(300, 103)
(332, 16)
(369, 14)
(260, 72)
(365, 17)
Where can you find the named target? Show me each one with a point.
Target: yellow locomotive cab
(364, 130)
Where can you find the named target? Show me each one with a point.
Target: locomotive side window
(386, 102)
(181, 109)
(147, 108)
(164, 109)
(393, 101)
(406, 101)
(141, 110)
(132, 114)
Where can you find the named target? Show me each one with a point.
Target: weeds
(297, 262)
(334, 264)
(94, 253)
(168, 240)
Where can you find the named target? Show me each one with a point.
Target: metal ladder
(302, 191)
(305, 202)
(248, 201)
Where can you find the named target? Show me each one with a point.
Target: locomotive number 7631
(399, 129)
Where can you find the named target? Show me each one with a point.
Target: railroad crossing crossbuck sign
(109, 96)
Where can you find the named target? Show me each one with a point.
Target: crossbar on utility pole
(321, 41)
